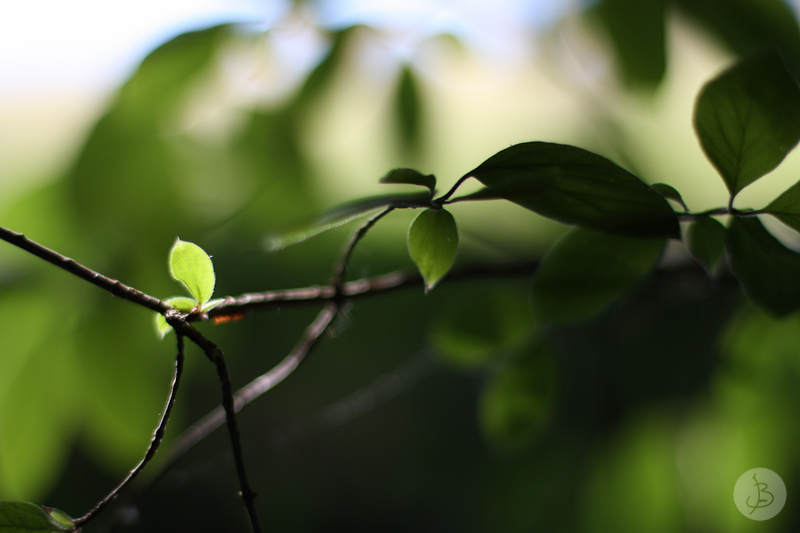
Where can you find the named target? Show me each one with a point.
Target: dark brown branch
(212, 351)
(111, 285)
(248, 303)
(158, 436)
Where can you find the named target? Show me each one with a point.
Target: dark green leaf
(749, 26)
(517, 400)
(586, 270)
(768, 271)
(636, 28)
(706, 241)
(411, 177)
(481, 194)
(577, 187)
(669, 192)
(748, 119)
(340, 215)
(25, 517)
(408, 110)
(478, 325)
(433, 243)
(190, 265)
(786, 207)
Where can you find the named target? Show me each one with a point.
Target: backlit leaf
(748, 119)
(25, 517)
(190, 265)
(768, 271)
(433, 243)
(578, 187)
(586, 270)
(185, 305)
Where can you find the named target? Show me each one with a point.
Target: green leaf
(433, 243)
(411, 177)
(748, 119)
(477, 326)
(706, 241)
(636, 28)
(746, 26)
(586, 270)
(577, 187)
(786, 207)
(181, 303)
(669, 192)
(25, 517)
(190, 265)
(517, 401)
(343, 214)
(768, 271)
(408, 110)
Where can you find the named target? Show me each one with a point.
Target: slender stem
(212, 351)
(723, 211)
(158, 436)
(340, 268)
(111, 285)
(442, 199)
(257, 387)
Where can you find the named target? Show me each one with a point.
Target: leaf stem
(158, 436)
(437, 203)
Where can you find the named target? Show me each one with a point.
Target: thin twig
(212, 351)
(236, 307)
(111, 285)
(158, 436)
(442, 199)
(340, 268)
(200, 430)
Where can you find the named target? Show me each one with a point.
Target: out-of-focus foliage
(638, 417)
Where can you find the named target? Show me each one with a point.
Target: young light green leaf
(411, 177)
(786, 207)
(182, 304)
(578, 187)
(433, 243)
(586, 270)
(748, 119)
(706, 241)
(669, 192)
(25, 517)
(768, 271)
(190, 265)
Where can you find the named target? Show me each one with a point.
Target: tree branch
(111, 285)
(158, 436)
(212, 351)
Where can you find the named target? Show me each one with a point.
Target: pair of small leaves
(748, 120)
(25, 517)
(190, 265)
